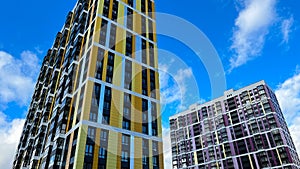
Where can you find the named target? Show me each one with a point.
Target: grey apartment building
(243, 129)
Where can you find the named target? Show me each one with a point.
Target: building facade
(244, 129)
(96, 101)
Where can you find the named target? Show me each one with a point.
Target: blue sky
(254, 39)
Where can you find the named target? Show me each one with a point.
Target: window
(124, 156)
(125, 139)
(153, 118)
(155, 164)
(109, 69)
(103, 135)
(93, 116)
(89, 150)
(145, 115)
(126, 98)
(145, 129)
(125, 124)
(108, 92)
(126, 111)
(105, 119)
(127, 86)
(145, 144)
(144, 92)
(108, 79)
(154, 132)
(145, 160)
(154, 146)
(110, 57)
(128, 76)
(144, 105)
(91, 133)
(102, 153)
(87, 166)
(52, 158)
(106, 105)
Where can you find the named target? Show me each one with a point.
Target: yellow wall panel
(97, 29)
(120, 40)
(157, 86)
(93, 61)
(137, 22)
(96, 149)
(121, 10)
(119, 151)
(137, 78)
(159, 125)
(154, 31)
(116, 115)
(136, 115)
(138, 5)
(100, 7)
(150, 155)
(147, 54)
(133, 46)
(105, 65)
(138, 152)
(161, 157)
(87, 100)
(117, 77)
(148, 82)
(80, 148)
(110, 9)
(155, 57)
(112, 150)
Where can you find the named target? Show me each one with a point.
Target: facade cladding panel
(244, 129)
(96, 103)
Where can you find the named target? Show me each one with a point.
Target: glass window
(155, 161)
(145, 129)
(91, 132)
(126, 98)
(89, 150)
(154, 146)
(103, 135)
(125, 139)
(126, 111)
(145, 160)
(145, 116)
(93, 116)
(125, 124)
(124, 156)
(102, 152)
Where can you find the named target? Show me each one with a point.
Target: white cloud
(286, 29)
(251, 28)
(173, 86)
(167, 148)
(288, 95)
(295, 133)
(10, 133)
(17, 77)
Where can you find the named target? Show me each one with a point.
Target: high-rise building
(244, 129)
(96, 103)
